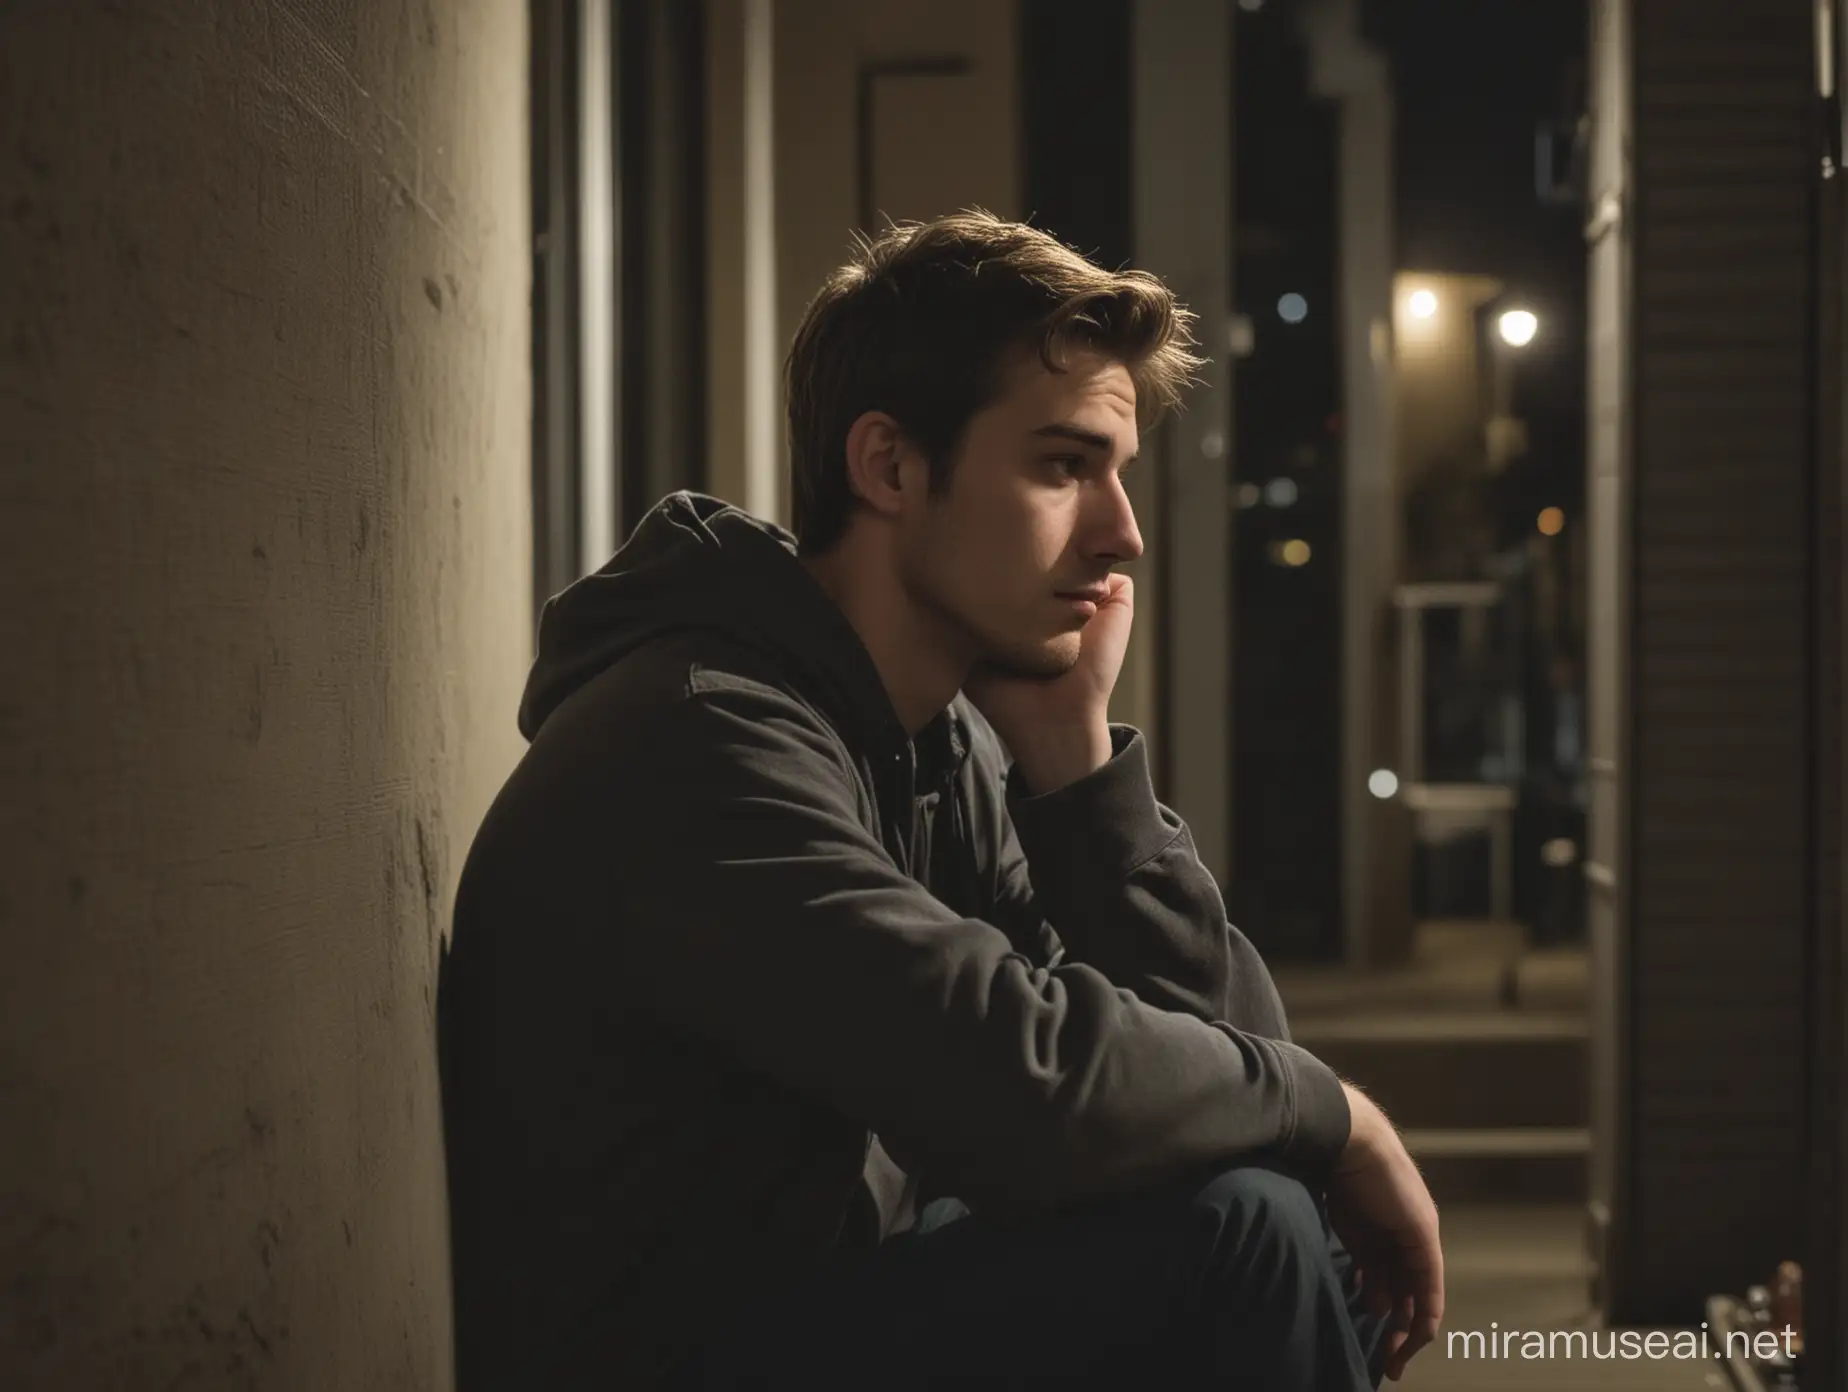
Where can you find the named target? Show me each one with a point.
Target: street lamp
(1518, 327)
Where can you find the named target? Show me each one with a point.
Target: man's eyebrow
(1065, 430)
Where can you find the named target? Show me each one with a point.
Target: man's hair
(921, 324)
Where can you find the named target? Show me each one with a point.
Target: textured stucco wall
(265, 555)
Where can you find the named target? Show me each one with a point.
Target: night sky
(1474, 78)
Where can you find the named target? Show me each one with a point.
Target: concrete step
(1554, 978)
(1516, 1164)
(1447, 1071)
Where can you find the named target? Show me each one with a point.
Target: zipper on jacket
(923, 819)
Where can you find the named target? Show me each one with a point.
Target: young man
(791, 1035)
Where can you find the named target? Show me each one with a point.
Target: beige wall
(264, 412)
(940, 144)
(1438, 371)
(728, 211)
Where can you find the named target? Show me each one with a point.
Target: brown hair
(919, 323)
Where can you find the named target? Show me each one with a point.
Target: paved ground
(1521, 1266)
(1511, 1264)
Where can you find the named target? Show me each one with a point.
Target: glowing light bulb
(1518, 327)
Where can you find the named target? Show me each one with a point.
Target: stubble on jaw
(1047, 662)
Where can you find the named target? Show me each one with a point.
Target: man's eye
(1071, 465)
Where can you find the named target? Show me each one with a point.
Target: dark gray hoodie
(726, 924)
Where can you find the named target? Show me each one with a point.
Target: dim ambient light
(1294, 552)
(1518, 327)
(1551, 522)
(1423, 304)
(1382, 783)
(1558, 853)
(1281, 492)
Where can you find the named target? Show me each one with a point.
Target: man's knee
(1268, 1294)
(1263, 1226)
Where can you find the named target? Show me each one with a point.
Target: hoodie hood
(694, 562)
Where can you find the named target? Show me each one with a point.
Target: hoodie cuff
(1323, 1121)
(1107, 822)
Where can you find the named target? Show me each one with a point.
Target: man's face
(1035, 513)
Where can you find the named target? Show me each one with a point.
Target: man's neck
(918, 662)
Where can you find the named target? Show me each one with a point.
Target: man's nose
(1117, 537)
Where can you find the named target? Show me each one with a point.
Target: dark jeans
(1230, 1281)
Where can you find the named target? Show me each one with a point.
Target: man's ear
(875, 452)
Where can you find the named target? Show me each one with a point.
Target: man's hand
(1379, 1207)
(1058, 730)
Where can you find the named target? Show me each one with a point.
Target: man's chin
(1045, 661)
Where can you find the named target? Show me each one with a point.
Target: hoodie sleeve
(755, 913)
(1105, 871)
(1116, 876)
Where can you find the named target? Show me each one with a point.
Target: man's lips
(1092, 594)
